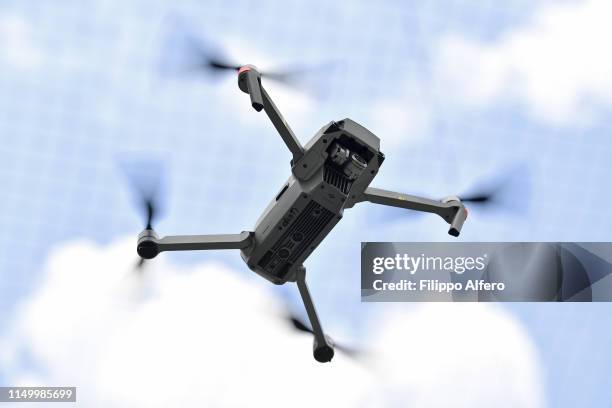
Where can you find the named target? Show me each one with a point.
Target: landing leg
(323, 349)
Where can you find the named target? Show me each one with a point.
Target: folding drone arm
(451, 209)
(323, 348)
(249, 81)
(149, 245)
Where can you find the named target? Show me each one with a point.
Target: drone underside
(331, 173)
(342, 159)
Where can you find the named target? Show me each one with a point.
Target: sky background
(462, 94)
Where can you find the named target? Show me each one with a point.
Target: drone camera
(338, 154)
(355, 167)
(351, 163)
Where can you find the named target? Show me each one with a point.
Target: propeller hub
(450, 199)
(323, 353)
(148, 246)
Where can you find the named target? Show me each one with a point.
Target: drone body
(340, 160)
(331, 173)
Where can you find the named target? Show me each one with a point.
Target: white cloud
(459, 355)
(202, 335)
(557, 65)
(17, 47)
(206, 336)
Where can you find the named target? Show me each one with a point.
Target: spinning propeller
(299, 325)
(506, 191)
(186, 52)
(150, 208)
(146, 179)
(499, 191)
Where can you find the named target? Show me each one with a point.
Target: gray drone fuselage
(338, 164)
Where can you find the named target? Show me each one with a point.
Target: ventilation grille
(297, 239)
(337, 179)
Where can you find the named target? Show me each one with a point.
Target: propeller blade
(349, 351)
(150, 208)
(216, 64)
(145, 176)
(140, 263)
(301, 326)
(313, 79)
(184, 51)
(508, 189)
(478, 198)
(505, 191)
(146, 180)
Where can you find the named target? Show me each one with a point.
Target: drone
(331, 173)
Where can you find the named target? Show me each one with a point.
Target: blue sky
(459, 92)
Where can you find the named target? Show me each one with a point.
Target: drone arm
(249, 81)
(149, 245)
(203, 242)
(323, 349)
(451, 210)
(282, 127)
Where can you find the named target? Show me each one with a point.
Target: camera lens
(339, 154)
(355, 167)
